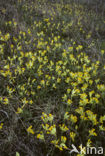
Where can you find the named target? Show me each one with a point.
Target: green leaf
(17, 154)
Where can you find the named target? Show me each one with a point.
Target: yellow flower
(101, 87)
(40, 136)
(92, 117)
(29, 64)
(102, 52)
(69, 101)
(6, 66)
(61, 146)
(102, 118)
(7, 36)
(80, 110)
(63, 127)
(90, 82)
(79, 80)
(25, 101)
(50, 118)
(63, 139)
(42, 82)
(102, 128)
(44, 117)
(38, 87)
(54, 85)
(68, 90)
(52, 130)
(73, 118)
(84, 87)
(94, 100)
(31, 102)
(83, 117)
(89, 143)
(1, 125)
(66, 116)
(92, 132)
(83, 96)
(19, 110)
(72, 135)
(58, 80)
(70, 48)
(30, 130)
(83, 102)
(91, 93)
(64, 54)
(46, 126)
(1, 99)
(79, 47)
(55, 142)
(5, 101)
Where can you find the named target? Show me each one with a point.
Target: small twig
(4, 113)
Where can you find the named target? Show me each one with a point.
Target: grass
(52, 69)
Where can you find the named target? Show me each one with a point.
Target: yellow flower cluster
(30, 130)
(1, 125)
(44, 70)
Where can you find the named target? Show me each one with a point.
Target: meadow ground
(52, 77)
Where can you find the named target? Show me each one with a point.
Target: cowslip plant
(52, 80)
